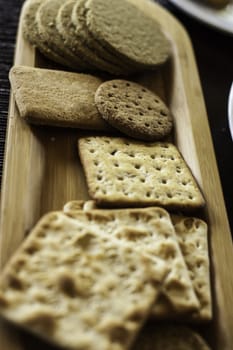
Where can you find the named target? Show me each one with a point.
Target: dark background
(214, 55)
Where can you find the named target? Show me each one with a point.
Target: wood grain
(42, 171)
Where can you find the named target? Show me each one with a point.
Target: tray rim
(225, 337)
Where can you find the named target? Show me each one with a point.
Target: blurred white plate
(230, 110)
(221, 19)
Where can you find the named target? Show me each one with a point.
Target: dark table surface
(214, 56)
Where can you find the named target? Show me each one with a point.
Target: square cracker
(192, 235)
(149, 230)
(123, 172)
(74, 286)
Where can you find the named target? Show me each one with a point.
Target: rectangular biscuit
(56, 98)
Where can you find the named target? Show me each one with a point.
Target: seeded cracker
(122, 172)
(57, 98)
(94, 294)
(110, 23)
(134, 110)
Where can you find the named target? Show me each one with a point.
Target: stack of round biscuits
(80, 35)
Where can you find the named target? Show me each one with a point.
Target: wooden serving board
(42, 172)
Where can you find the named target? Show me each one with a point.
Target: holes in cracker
(148, 194)
(127, 84)
(96, 162)
(130, 119)
(149, 108)
(191, 197)
(116, 164)
(137, 166)
(14, 282)
(92, 150)
(197, 224)
(110, 94)
(163, 113)
(114, 86)
(178, 169)
(140, 113)
(32, 249)
(113, 152)
(188, 223)
(169, 195)
(147, 125)
(140, 97)
(131, 154)
(99, 177)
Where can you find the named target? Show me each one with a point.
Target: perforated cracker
(75, 286)
(192, 236)
(123, 172)
(148, 230)
(133, 109)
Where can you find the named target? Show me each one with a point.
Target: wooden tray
(42, 172)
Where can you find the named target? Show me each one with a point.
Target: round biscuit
(79, 20)
(31, 32)
(128, 32)
(46, 22)
(76, 42)
(133, 109)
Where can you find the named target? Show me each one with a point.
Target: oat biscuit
(169, 337)
(74, 40)
(134, 110)
(121, 172)
(57, 98)
(79, 21)
(95, 294)
(31, 32)
(46, 22)
(111, 22)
